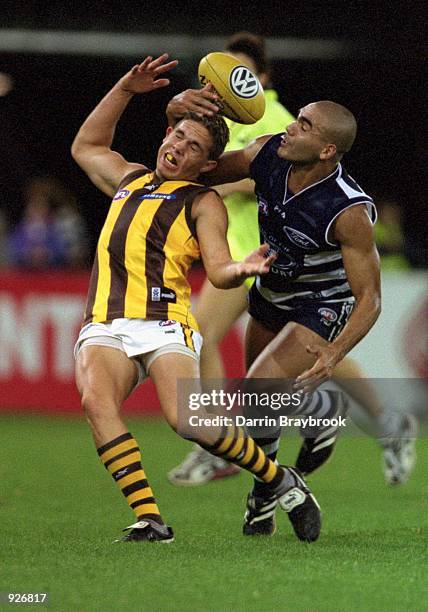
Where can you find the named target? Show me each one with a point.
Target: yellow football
(241, 95)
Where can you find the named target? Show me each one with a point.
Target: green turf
(60, 512)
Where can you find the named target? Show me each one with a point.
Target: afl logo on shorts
(328, 316)
(243, 82)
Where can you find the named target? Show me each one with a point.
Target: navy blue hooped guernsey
(309, 264)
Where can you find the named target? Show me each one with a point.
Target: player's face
(305, 139)
(184, 153)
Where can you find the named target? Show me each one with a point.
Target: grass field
(60, 512)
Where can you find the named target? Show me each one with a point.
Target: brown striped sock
(122, 458)
(236, 447)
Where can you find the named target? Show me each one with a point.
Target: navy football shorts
(327, 319)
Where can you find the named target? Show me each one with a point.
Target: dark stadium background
(379, 77)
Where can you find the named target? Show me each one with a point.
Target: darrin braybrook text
(282, 420)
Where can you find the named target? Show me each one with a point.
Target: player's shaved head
(338, 124)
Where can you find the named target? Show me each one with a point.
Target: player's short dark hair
(341, 125)
(217, 128)
(251, 45)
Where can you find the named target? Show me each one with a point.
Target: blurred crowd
(51, 233)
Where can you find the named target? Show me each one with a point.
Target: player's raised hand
(144, 77)
(256, 263)
(200, 101)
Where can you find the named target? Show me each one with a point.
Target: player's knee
(96, 406)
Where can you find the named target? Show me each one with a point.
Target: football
(241, 94)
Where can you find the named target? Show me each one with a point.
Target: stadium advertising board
(40, 315)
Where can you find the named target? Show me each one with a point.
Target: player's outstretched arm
(92, 146)
(354, 231)
(210, 215)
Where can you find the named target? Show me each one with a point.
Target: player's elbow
(372, 303)
(80, 148)
(376, 300)
(377, 305)
(77, 149)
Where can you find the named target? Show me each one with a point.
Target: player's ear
(328, 152)
(169, 129)
(210, 165)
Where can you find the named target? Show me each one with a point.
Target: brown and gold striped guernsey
(144, 252)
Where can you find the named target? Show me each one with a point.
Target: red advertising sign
(40, 316)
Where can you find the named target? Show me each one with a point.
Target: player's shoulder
(266, 166)
(266, 146)
(206, 201)
(349, 198)
(348, 188)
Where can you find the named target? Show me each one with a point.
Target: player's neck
(302, 176)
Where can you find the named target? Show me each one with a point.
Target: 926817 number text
(24, 598)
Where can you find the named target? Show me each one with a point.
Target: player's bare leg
(216, 312)
(105, 377)
(283, 358)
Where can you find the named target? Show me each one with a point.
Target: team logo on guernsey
(243, 82)
(328, 316)
(299, 239)
(156, 294)
(123, 193)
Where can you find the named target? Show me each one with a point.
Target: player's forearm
(362, 319)
(245, 186)
(99, 128)
(226, 275)
(178, 106)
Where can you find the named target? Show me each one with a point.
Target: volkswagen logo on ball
(243, 82)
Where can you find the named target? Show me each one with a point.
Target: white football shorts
(143, 341)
